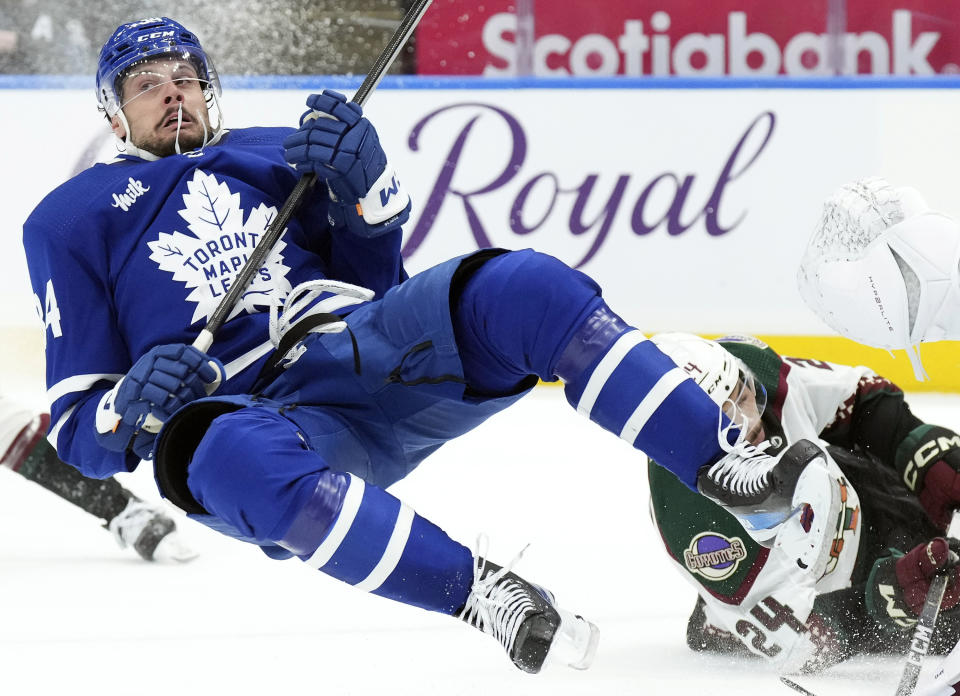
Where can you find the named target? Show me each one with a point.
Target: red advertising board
(689, 37)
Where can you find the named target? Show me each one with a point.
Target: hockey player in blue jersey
(336, 375)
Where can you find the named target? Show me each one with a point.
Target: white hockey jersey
(763, 598)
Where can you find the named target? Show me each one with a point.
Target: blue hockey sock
(620, 380)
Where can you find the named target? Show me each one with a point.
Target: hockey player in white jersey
(144, 527)
(289, 431)
(849, 572)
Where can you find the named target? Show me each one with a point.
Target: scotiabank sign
(690, 37)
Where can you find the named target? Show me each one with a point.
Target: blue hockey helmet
(143, 40)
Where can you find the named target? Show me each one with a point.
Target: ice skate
(741, 478)
(525, 620)
(757, 488)
(151, 533)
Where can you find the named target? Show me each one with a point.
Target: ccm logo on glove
(929, 459)
(929, 451)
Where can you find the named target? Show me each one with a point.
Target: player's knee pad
(253, 469)
(514, 313)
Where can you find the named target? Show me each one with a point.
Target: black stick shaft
(296, 197)
(410, 20)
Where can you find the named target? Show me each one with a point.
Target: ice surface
(79, 616)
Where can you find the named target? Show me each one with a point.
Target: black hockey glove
(898, 584)
(928, 461)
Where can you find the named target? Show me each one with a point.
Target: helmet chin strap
(128, 146)
(176, 142)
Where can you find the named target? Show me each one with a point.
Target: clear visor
(745, 406)
(140, 78)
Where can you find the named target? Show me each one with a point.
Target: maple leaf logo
(209, 261)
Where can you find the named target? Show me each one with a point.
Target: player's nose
(172, 92)
(173, 95)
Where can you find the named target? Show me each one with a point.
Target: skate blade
(763, 527)
(575, 644)
(171, 549)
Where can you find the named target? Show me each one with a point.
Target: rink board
(690, 201)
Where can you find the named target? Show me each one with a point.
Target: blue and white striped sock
(364, 536)
(619, 379)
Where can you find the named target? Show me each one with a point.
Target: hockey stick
(296, 197)
(796, 687)
(920, 643)
(948, 675)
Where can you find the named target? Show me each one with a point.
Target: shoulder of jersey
(257, 135)
(743, 339)
(89, 186)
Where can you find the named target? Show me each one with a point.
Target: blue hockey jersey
(135, 253)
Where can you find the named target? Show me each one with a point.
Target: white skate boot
(150, 532)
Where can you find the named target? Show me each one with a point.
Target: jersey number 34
(49, 311)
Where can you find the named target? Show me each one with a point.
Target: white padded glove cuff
(386, 198)
(107, 419)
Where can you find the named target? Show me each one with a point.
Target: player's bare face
(741, 407)
(164, 104)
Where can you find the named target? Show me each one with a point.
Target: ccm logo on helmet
(926, 453)
(155, 35)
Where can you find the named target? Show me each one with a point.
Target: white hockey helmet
(726, 379)
(881, 268)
